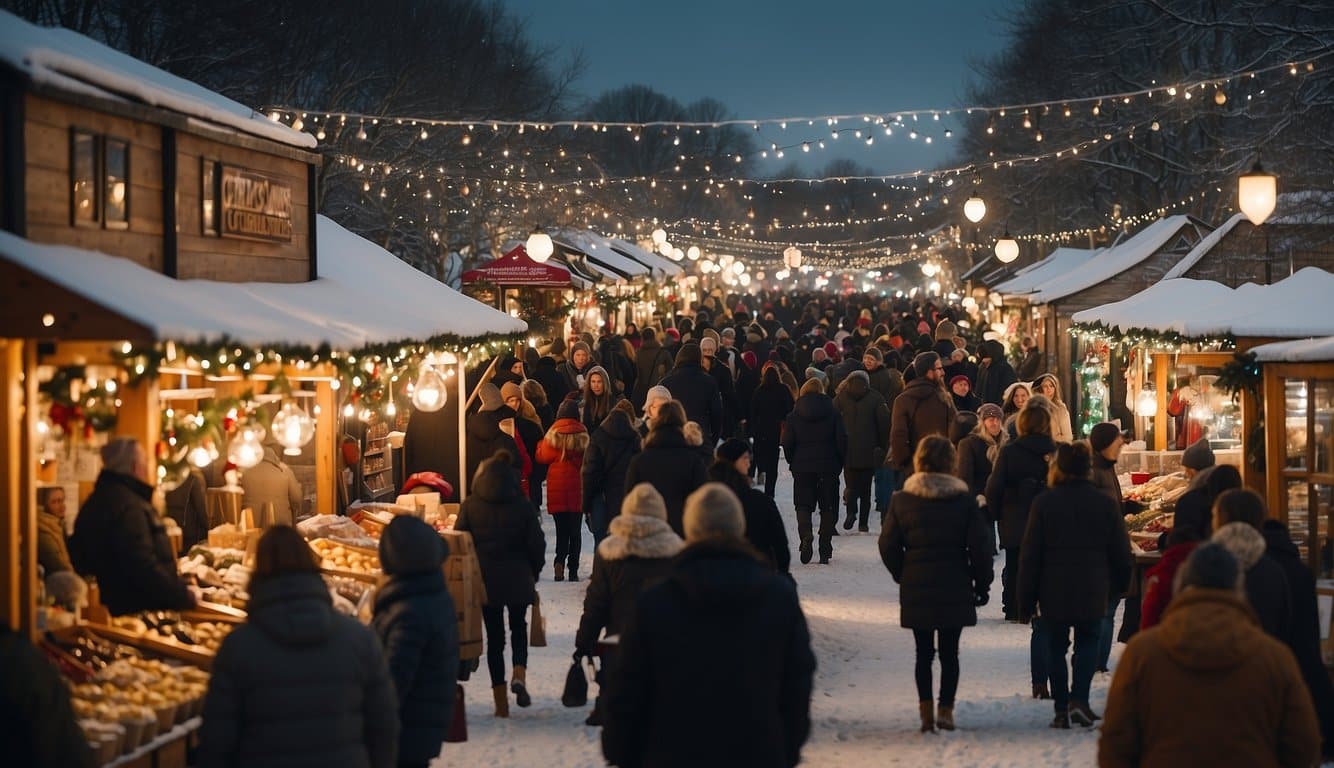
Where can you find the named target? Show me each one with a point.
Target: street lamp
(1257, 194)
(1007, 248)
(539, 245)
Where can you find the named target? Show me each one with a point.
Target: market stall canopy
(1296, 306)
(363, 296)
(1112, 261)
(516, 268)
(71, 62)
(1058, 263)
(660, 267)
(1316, 350)
(600, 254)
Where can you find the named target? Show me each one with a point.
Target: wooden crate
(463, 578)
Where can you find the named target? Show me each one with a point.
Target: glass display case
(1300, 442)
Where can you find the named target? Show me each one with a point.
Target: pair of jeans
(766, 461)
(859, 494)
(809, 490)
(598, 520)
(493, 619)
(1064, 689)
(886, 482)
(947, 641)
(1106, 634)
(569, 539)
(1009, 585)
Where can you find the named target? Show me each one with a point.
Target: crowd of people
(666, 444)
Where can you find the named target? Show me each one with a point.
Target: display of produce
(335, 528)
(220, 573)
(339, 557)
(165, 627)
(1160, 491)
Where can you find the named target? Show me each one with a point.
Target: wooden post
(461, 375)
(27, 425)
(327, 476)
(140, 417)
(11, 404)
(1160, 416)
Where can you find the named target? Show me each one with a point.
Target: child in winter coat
(563, 449)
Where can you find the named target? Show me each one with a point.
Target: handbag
(575, 693)
(537, 630)
(458, 723)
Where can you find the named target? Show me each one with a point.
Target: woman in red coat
(563, 448)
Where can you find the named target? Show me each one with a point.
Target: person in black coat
(510, 551)
(769, 407)
(1075, 557)
(698, 393)
(1238, 515)
(297, 683)
(995, 374)
(715, 666)
(37, 723)
(961, 392)
(1194, 508)
(764, 524)
(978, 450)
(547, 373)
(484, 437)
(937, 546)
(611, 447)
(637, 551)
(721, 374)
(186, 505)
(1018, 476)
(865, 417)
(815, 442)
(668, 463)
(652, 363)
(747, 381)
(415, 621)
(120, 539)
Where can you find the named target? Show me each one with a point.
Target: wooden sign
(255, 206)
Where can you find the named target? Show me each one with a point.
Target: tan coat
(52, 553)
(1208, 687)
(272, 481)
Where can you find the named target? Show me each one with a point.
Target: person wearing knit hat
(563, 450)
(1264, 581)
(576, 367)
(1198, 457)
(483, 435)
(707, 346)
(946, 331)
(815, 374)
(924, 363)
(961, 390)
(713, 511)
(990, 411)
(711, 334)
(732, 449)
(657, 395)
(831, 351)
(672, 332)
(749, 359)
(490, 397)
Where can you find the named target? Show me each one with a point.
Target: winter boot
(517, 686)
(502, 700)
(928, 712)
(1081, 715)
(1041, 691)
(851, 521)
(560, 571)
(1061, 721)
(806, 553)
(945, 717)
(573, 574)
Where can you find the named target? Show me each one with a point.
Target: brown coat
(924, 408)
(1208, 687)
(52, 553)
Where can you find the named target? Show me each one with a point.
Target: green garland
(1147, 337)
(94, 411)
(1244, 373)
(209, 428)
(529, 310)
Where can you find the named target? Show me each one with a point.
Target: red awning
(516, 268)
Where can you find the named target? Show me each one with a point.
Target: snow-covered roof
(1203, 247)
(659, 265)
(364, 296)
(1113, 261)
(1299, 351)
(1295, 306)
(600, 252)
(1059, 262)
(69, 61)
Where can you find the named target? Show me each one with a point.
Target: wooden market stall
(1021, 318)
(540, 294)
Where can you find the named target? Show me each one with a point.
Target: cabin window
(209, 195)
(83, 179)
(116, 184)
(99, 180)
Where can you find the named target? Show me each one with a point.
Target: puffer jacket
(638, 551)
(937, 546)
(815, 439)
(652, 363)
(415, 622)
(563, 449)
(1266, 585)
(484, 438)
(507, 534)
(299, 685)
(611, 447)
(923, 409)
(1018, 476)
(764, 523)
(119, 538)
(769, 407)
(673, 467)
(866, 420)
(888, 382)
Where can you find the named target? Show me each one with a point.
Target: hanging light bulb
(1146, 403)
(429, 393)
(293, 428)
(247, 449)
(693, 253)
(792, 257)
(678, 254)
(200, 456)
(1007, 248)
(539, 245)
(666, 248)
(1257, 193)
(659, 236)
(974, 209)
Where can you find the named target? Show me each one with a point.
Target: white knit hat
(645, 501)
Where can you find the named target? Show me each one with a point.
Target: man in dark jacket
(652, 363)
(995, 373)
(1106, 441)
(1075, 556)
(888, 381)
(611, 446)
(726, 390)
(764, 523)
(483, 436)
(547, 372)
(1031, 363)
(120, 539)
(1238, 515)
(697, 390)
(715, 667)
(815, 442)
(36, 720)
(415, 621)
(866, 420)
(924, 408)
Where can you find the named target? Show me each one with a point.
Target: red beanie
(749, 359)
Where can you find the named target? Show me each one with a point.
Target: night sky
(784, 58)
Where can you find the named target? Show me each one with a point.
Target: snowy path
(864, 708)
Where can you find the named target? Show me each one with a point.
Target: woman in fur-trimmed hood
(937, 546)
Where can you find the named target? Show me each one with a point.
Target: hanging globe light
(429, 393)
(247, 448)
(1007, 248)
(693, 253)
(1146, 403)
(678, 254)
(1257, 193)
(975, 209)
(659, 236)
(792, 257)
(539, 245)
(738, 267)
(706, 266)
(292, 428)
(666, 248)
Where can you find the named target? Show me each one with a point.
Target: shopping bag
(458, 724)
(576, 685)
(537, 630)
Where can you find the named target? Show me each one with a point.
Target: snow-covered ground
(864, 708)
